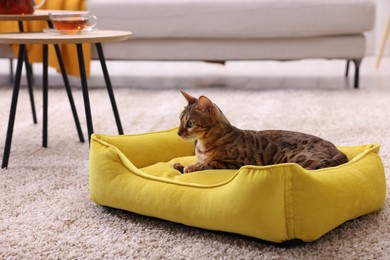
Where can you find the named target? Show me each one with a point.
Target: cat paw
(179, 167)
(189, 168)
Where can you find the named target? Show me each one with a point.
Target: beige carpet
(45, 212)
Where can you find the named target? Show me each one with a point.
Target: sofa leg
(357, 63)
(347, 69)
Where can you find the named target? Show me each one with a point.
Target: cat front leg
(211, 165)
(201, 166)
(190, 168)
(194, 167)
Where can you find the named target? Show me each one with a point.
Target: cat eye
(190, 124)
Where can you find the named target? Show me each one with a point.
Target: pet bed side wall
(326, 198)
(148, 149)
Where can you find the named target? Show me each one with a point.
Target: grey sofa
(226, 30)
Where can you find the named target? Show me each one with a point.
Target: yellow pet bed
(275, 203)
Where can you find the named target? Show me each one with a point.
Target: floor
(300, 74)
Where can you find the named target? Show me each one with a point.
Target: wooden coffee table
(45, 38)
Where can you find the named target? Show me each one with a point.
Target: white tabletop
(53, 37)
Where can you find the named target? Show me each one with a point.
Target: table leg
(14, 102)
(45, 89)
(68, 88)
(30, 86)
(109, 87)
(11, 70)
(29, 78)
(84, 85)
(69, 92)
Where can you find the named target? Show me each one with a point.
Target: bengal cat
(220, 145)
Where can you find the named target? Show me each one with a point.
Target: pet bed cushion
(275, 203)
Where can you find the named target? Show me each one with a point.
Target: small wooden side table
(45, 38)
(43, 15)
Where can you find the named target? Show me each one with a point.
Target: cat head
(199, 117)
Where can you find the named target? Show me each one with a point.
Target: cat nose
(180, 132)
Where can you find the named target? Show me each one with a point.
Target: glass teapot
(19, 6)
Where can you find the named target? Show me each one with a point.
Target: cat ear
(190, 99)
(205, 104)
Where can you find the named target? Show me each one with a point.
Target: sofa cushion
(332, 47)
(234, 19)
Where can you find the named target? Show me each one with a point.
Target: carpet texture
(45, 211)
